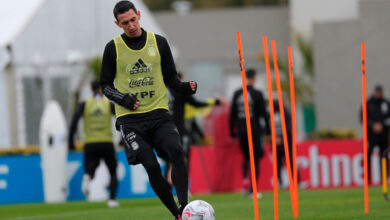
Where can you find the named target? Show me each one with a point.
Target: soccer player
(378, 123)
(257, 111)
(178, 101)
(97, 112)
(280, 153)
(141, 65)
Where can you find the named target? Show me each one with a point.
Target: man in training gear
(141, 65)
(280, 153)
(378, 124)
(257, 111)
(177, 102)
(177, 109)
(97, 112)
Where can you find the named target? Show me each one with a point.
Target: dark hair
(95, 85)
(122, 7)
(378, 88)
(250, 73)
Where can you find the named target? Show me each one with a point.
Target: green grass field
(313, 204)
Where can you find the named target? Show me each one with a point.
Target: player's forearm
(72, 132)
(168, 69)
(179, 87)
(108, 73)
(192, 101)
(232, 127)
(112, 94)
(73, 126)
(119, 98)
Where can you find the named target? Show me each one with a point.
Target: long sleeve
(370, 121)
(108, 73)
(264, 114)
(168, 69)
(112, 106)
(73, 126)
(387, 118)
(233, 117)
(192, 101)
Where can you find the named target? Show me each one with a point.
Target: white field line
(57, 216)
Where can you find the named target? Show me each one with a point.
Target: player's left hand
(193, 86)
(220, 101)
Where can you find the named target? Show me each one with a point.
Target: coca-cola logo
(145, 81)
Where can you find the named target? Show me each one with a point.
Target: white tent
(14, 16)
(49, 39)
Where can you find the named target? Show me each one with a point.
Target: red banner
(321, 163)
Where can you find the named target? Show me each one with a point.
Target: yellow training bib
(97, 121)
(138, 73)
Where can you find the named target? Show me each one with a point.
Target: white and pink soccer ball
(198, 210)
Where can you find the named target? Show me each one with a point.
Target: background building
(337, 58)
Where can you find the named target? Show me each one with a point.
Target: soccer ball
(198, 210)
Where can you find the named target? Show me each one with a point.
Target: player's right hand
(136, 105)
(130, 102)
(377, 127)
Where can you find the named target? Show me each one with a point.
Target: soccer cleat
(178, 217)
(85, 185)
(112, 203)
(246, 184)
(181, 208)
(259, 195)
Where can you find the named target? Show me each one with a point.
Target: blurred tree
(309, 111)
(159, 5)
(94, 66)
(306, 49)
(303, 86)
(304, 81)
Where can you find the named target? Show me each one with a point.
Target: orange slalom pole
(384, 176)
(364, 109)
(272, 124)
(293, 124)
(248, 127)
(285, 141)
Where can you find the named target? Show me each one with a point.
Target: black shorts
(159, 134)
(257, 144)
(280, 148)
(94, 152)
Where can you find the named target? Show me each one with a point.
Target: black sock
(113, 186)
(159, 184)
(180, 180)
(181, 207)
